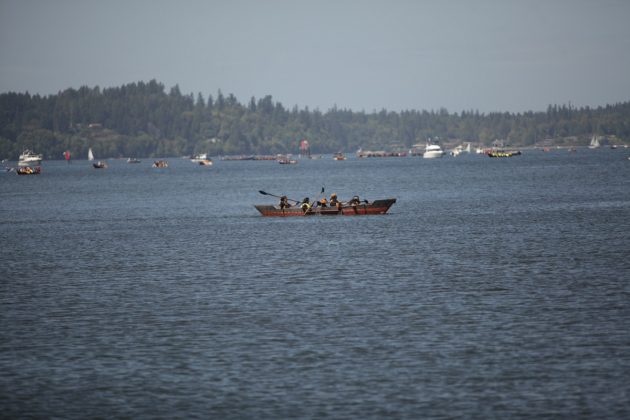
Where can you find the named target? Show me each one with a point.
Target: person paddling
(334, 202)
(355, 201)
(284, 202)
(306, 204)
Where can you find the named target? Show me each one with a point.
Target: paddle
(320, 193)
(316, 201)
(277, 196)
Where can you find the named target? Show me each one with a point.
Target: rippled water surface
(493, 288)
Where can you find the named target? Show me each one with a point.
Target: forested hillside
(142, 119)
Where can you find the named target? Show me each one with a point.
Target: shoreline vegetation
(143, 120)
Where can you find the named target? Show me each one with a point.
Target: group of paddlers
(306, 204)
(27, 170)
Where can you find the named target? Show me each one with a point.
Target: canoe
(375, 207)
(27, 170)
(501, 153)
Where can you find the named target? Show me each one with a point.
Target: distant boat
(339, 156)
(503, 153)
(457, 151)
(199, 157)
(97, 165)
(205, 162)
(27, 170)
(594, 142)
(160, 164)
(28, 157)
(132, 160)
(432, 151)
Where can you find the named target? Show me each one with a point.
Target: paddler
(305, 204)
(334, 201)
(284, 202)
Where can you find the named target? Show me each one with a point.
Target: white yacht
(28, 157)
(433, 151)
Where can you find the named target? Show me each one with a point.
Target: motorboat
(286, 160)
(199, 157)
(28, 157)
(433, 151)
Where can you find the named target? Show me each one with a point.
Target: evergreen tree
(141, 119)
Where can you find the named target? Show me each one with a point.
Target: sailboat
(594, 142)
(97, 165)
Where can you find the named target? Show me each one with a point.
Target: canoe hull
(375, 207)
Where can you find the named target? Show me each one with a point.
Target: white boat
(97, 165)
(28, 157)
(457, 151)
(432, 151)
(199, 157)
(594, 143)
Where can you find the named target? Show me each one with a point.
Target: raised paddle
(316, 201)
(277, 196)
(320, 193)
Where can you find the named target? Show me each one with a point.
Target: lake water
(493, 288)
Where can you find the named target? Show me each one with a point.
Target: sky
(484, 55)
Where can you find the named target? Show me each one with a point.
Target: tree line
(142, 119)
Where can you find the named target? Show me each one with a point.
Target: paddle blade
(262, 192)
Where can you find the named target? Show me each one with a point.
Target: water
(493, 288)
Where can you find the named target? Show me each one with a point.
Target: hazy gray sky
(489, 55)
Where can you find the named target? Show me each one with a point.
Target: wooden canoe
(375, 207)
